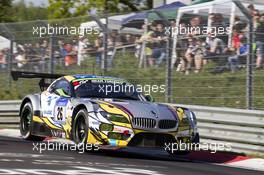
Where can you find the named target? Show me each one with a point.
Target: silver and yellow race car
(89, 109)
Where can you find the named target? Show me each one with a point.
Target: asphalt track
(18, 157)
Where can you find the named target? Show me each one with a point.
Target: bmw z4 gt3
(78, 108)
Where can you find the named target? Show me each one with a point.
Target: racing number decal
(60, 109)
(59, 113)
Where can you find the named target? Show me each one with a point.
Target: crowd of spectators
(194, 49)
(66, 51)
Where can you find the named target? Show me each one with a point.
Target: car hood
(141, 109)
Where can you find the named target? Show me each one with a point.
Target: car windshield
(106, 90)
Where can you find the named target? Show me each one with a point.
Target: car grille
(144, 122)
(151, 140)
(167, 124)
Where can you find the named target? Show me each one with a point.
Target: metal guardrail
(242, 129)
(9, 110)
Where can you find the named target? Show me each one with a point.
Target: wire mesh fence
(205, 69)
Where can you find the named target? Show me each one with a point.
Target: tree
(5, 10)
(73, 8)
(22, 12)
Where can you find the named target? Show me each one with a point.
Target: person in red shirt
(70, 58)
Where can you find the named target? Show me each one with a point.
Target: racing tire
(80, 127)
(26, 123)
(196, 138)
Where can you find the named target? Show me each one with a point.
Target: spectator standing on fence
(260, 42)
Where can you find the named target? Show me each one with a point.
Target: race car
(89, 109)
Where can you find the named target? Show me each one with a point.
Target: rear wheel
(26, 123)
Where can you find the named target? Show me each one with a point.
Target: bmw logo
(154, 114)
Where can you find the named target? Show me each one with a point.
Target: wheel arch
(76, 109)
(34, 99)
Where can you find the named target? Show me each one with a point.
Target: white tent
(4, 43)
(114, 23)
(226, 7)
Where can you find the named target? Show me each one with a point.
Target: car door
(55, 101)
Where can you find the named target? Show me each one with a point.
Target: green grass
(226, 89)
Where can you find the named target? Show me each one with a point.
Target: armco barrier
(242, 129)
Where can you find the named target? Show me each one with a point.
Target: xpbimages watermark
(212, 147)
(129, 88)
(198, 30)
(57, 146)
(64, 30)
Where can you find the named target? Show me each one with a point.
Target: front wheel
(194, 141)
(26, 123)
(80, 127)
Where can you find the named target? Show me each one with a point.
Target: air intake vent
(167, 124)
(144, 122)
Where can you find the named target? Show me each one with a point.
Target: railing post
(51, 54)
(10, 61)
(249, 83)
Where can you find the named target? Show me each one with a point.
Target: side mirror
(61, 92)
(149, 98)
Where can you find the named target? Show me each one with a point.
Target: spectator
(98, 44)
(260, 42)
(239, 25)
(217, 24)
(44, 49)
(196, 47)
(159, 44)
(71, 55)
(189, 55)
(238, 55)
(233, 59)
(2, 60)
(196, 25)
(128, 39)
(81, 49)
(145, 38)
(116, 39)
(256, 17)
(199, 54)
(251, 9)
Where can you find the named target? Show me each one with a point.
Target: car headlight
(114, 117)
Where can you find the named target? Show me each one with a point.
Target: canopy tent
(137, 20)
(4, 43)
(226, 7)
(114, 23)
(200, 1)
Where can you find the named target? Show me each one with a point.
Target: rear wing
(42, 84)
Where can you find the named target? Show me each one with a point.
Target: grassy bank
(226, 89)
